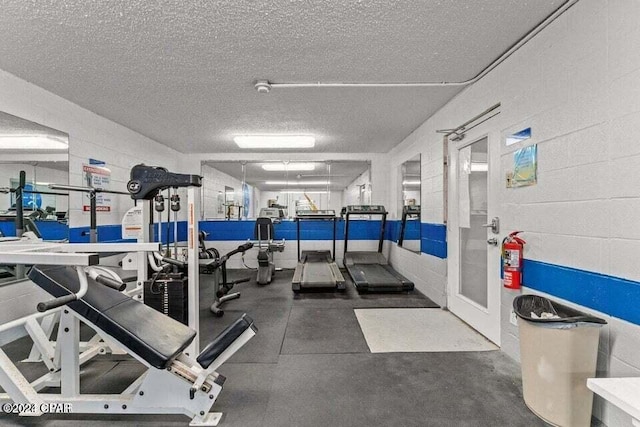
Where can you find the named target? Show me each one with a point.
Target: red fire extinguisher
(512, 247)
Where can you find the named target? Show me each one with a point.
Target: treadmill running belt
(317, 273)
(375, 275)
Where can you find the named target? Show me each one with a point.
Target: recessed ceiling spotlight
(275, 141)
(289, 166)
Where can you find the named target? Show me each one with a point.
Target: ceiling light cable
(265, 86)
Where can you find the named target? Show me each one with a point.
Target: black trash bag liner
(524, 305)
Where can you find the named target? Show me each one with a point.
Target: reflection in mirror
(288, 186)
(42, 153)
(410, 179)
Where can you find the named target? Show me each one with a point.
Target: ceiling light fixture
(302, 192)
(410, 182)
(289, 167)
(31, 142)
(275, 141)
(302, 183)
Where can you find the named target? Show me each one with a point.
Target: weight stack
(168, 295)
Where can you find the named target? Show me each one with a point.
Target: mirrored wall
(42, 153)
(410, 179)
(239, 190)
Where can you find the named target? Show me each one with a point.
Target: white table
(622, 392)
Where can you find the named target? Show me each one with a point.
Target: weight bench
(175, 382)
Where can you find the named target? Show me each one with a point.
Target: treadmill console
(325, 213)
(273, 213)
(366, 209)
(411, 210)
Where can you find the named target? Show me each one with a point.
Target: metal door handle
(493, 241)
(494, 225)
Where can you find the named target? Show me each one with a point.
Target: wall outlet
(513, 318)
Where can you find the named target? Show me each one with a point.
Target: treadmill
(409, 211)
(317, 269)
(370, 271)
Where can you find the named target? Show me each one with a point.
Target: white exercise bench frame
(184, 387)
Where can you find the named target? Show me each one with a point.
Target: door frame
(486, 321)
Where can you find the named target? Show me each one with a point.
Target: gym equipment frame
(317, 269)
(175, 381)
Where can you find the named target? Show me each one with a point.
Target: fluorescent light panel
(302, 192)
(410, 182)
(289, 167)
(303, 183)
(36, 142)
(275, 141)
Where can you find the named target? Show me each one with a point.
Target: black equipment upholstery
(224, 340)
(146, 181)
(264, 229)
(263, 259)
(154, 337)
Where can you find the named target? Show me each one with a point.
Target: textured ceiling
(340, 174)
(182, 72)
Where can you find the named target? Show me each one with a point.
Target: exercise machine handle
(242, 248)
(112, 283)
(174, 261)
(66, 299)
(56, 302)
(223, 259)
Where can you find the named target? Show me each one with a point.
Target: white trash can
(558, 352)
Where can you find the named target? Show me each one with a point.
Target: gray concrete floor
(309, 365)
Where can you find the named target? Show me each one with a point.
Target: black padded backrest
(264, 229)
(156, 338)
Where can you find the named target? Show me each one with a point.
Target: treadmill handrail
(383, 214)
(298, 220)
(407, 212)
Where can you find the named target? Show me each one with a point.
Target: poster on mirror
(97, 175)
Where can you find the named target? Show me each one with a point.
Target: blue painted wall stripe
(317, 230)
(50, 230)
(113, 233)
(433, 236)
(434, 239)
(608, 294)
(613, 296)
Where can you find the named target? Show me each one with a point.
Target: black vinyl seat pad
(232, 332)
(264, 229)
(156, 338)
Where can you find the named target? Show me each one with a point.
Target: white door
(474, 249)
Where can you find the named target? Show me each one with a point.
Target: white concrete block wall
(90, 136)
(577, 84)
(428, 273)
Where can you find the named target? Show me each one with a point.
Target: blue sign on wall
(246, 197)
(31, 200)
